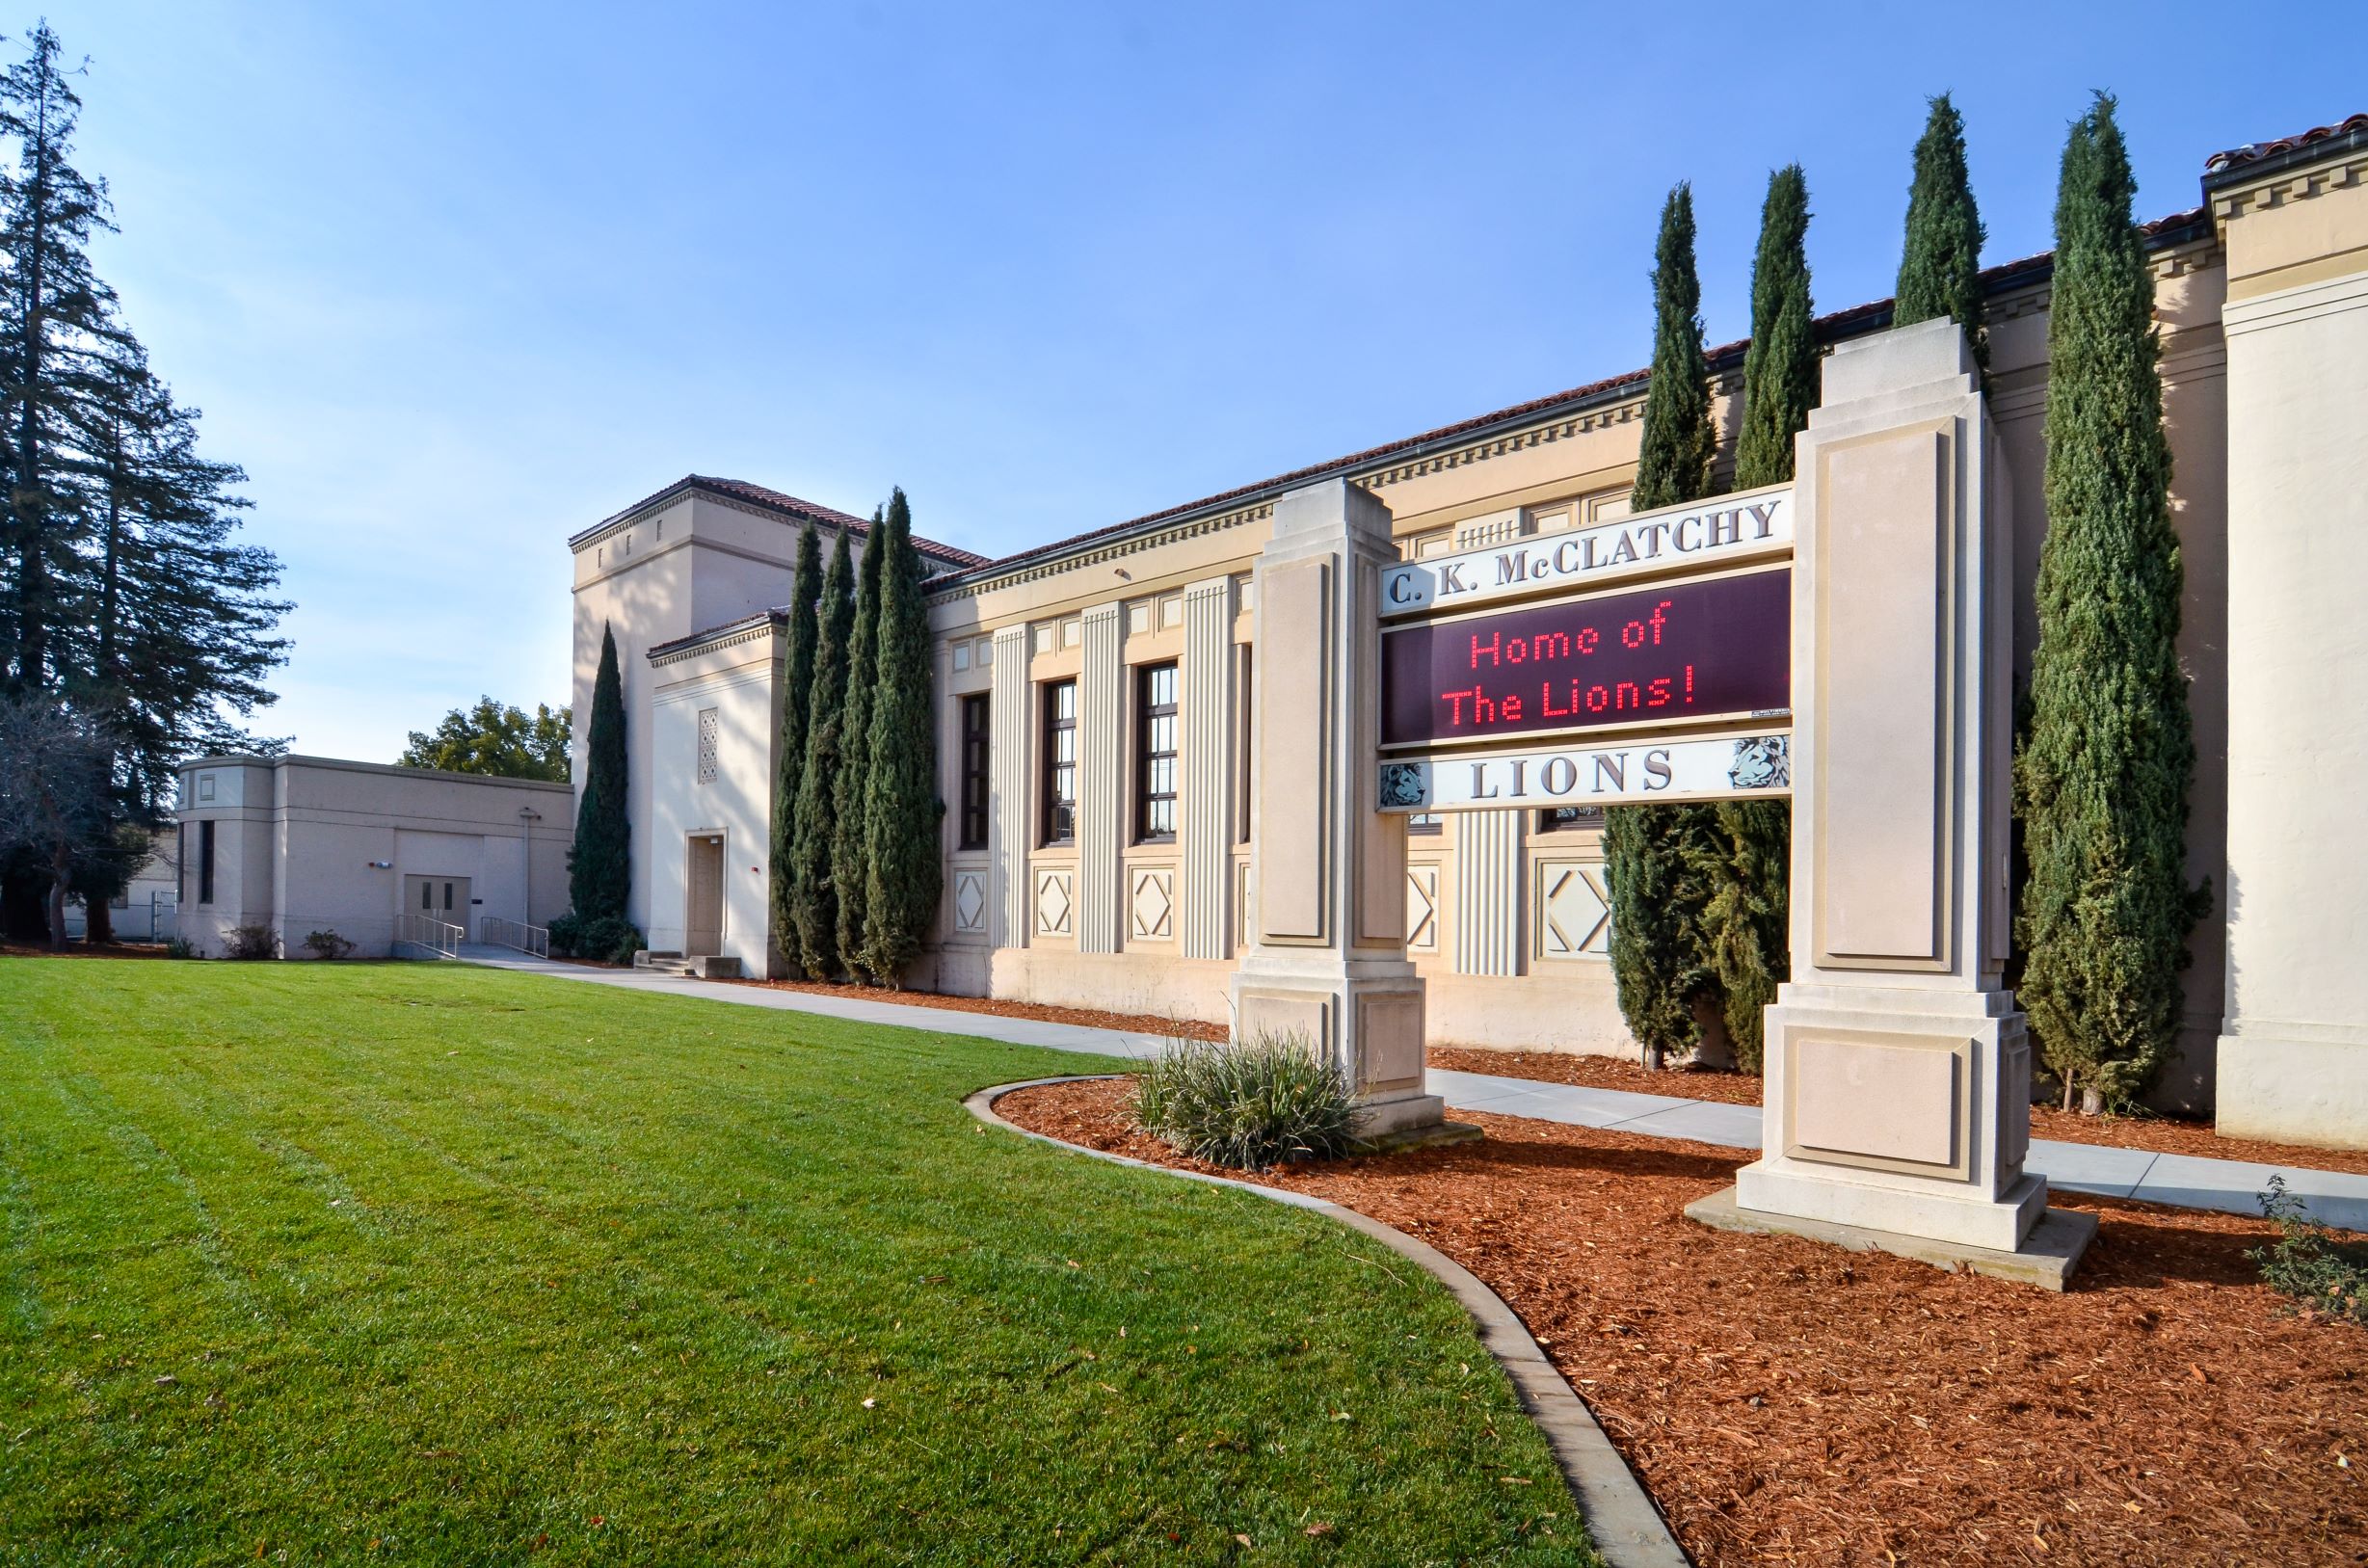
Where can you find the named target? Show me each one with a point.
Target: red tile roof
(774, 500)
(2256, 152)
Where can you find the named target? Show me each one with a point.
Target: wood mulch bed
(78, 948)
(1791, 1402)
(1088, 1016)
(2159, 1134)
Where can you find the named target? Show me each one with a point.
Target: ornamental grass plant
(1247, 1104)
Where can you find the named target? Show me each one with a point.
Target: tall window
(1249, 745)
(1155, 746)
(975, 771)
(205, 860)
(1061, 762)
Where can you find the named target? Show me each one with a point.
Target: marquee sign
(1704, 534)
(1671, 633)
(1701, 650)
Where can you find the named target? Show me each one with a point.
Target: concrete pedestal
(1899, 1069)
(1327, 942)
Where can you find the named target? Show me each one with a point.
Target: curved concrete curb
(1625, 1527)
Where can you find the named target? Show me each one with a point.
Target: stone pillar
(2293, 1059)
(1103, 817)
(1204, 799)
(1327, 956)
(1010, 821)
(1899, 1073)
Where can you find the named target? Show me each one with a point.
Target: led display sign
(1689, 650)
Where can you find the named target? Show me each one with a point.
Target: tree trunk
(2067, 1091)
(1713, 1047)
(2091, 1103)
(61, 870)
(98, 924)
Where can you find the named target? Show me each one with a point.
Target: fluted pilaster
(1205, 814)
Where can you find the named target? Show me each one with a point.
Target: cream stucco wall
(307, 844)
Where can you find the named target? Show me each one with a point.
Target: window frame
(1056, 814)
(1148, 717)
(205, 862)
(1550, 818)
(975, 738)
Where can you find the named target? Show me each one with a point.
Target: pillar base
(2046, 1257)
(1780, 1188)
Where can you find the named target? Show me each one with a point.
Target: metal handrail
(441, 938)
(534, 940)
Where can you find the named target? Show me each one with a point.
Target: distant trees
(493, 739)
(55, 793)
(2108, 748)
(124, 595)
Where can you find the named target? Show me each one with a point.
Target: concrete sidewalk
(2185, 1181)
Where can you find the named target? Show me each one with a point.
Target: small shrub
(2309, 1264)
(181, 947)
(608, 939)
(1246, 1103)
(249, 942)
(327, 943)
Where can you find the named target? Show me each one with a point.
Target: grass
(425, 1263)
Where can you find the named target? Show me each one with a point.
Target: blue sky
(453, 282)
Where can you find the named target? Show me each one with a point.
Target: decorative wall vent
(707, 725)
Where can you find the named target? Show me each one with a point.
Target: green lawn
(430, 1263)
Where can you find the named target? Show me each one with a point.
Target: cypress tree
(1652, 854)
(1940, 264)
(849, 875)
(2108, 748)
(601, 866)
(797, 683)
(815, 902)
(1675, 460)
(1780, 366)
(1746, 865)
(901, 807)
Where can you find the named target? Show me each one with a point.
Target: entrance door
(442, 898)
(703, 916)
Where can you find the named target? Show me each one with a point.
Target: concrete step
(706, 968)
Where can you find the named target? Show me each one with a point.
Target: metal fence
(427, 937)
(534, 940)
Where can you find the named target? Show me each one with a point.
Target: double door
(441, 898)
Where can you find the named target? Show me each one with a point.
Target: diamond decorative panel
(708, 727)
(1151, 900)
(1054, 905)
(1574, 911)
(970, 901)
(1422, 908)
